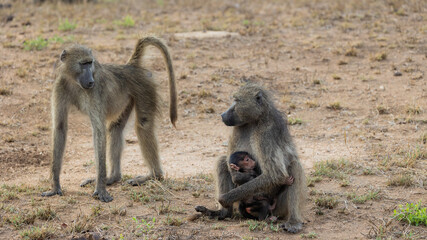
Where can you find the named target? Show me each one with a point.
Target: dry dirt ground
(350, 76)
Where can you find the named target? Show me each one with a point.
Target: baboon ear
(258, 97)
(63, 55)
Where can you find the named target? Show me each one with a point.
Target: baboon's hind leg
(145, 130)
(115, 147)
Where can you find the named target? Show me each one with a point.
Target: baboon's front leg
(100, 139)
(60, 126)
(149, 148)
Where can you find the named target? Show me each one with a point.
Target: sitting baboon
(108, 93)
(243, 169)
(261, 130)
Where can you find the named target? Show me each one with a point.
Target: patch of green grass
(310, 235)
(218, 227)
(401, 180)
(294, 121)
(335, 169)
(256, 225)
(326, 202)
(19, 220)
(56, 39)
(370, 195)
(161, 3)
(36, 44)
(96, 210)
(144, 226)
(412, 213)
(66, 25)
(411, 156)
(151, 192)
(312, 180)
(173, 221)
(37, 233)
(20, 189)
(177, 184)
(8, 196)
(81, 224)
(344, 183)
(405, 158)
(60, 40)
(126, 22)
(45, 213)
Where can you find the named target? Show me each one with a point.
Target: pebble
(397, 74)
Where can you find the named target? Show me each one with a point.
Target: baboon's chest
(242, 142)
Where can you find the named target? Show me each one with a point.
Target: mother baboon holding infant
(260, 130)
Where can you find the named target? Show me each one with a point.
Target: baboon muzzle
(227, 118)
(86, 78)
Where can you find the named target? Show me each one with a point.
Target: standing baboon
(108, 93)
(260, 130)
(244, 168)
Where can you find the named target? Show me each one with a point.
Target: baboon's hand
(234, 167)
(52, 193)
(223, 201)
(103, 196)
(292, 227)
(289, 181)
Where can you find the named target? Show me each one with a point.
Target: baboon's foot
(109, 181)
(103, 196)
(221, 214)
(203, 210)
(87, 182)
(114, 179)
(142, 179)
(52, 193)
(292, 227)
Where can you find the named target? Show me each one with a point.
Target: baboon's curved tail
(135, 59)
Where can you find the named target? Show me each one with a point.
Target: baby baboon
(261, 130)
(108, 93)
(243, 169)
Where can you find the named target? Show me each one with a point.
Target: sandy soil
(353, 74)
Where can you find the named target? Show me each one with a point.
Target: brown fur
(261, 130)
(116, 90)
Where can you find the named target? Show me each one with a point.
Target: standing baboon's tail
(136, 59)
